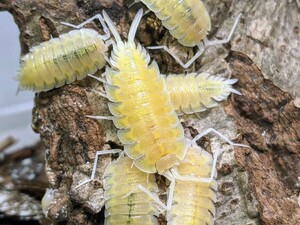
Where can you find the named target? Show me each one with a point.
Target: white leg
(149, 193)
(100, 117)
(109, 43)
(133, 3)
(103, 152)
(101, 20)
(217, 42)
(98, 79)
(100, 94)
(205, 132)
(171, 178)
(184, 65)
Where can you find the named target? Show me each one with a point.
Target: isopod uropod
(137, 208)
(196, 92)
(64, 59)
(188, 21)
(149, 127)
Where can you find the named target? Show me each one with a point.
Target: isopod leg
(98, 79)
(100, 117)
(212, 130)
(101, 20)
(133, 3)
(102, 152)
(184, 65)
(171, 178)
(224, 41)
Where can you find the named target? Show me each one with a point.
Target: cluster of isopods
(145, 106)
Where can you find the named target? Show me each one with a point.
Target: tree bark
(256, 185)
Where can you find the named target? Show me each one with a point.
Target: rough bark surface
(256, 185)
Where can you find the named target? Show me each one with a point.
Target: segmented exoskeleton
(149, 127)
(192, 201)
(191, 194)
(134, 209)
(197, 92)
(188, 21)
(192, 188)
(71, 56)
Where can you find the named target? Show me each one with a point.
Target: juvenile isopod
(134, 209)
(197, 92)
(71, 56)
(188, 21)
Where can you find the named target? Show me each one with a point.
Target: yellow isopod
(149, 127)
(197, 92)
(71, 56)
(191, 194)
(188, 21)
(194, 190)
(120, 177)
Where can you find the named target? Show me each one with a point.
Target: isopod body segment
(197, 92)
(141, 106)
(71, 56)
(120, 177)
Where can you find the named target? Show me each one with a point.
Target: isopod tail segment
(201, 46)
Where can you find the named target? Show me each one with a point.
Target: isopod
(196, 92)
(188, 21)
(197, 196)
(71, 56)
(192, 189)
(142, 111)
(136, 208)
